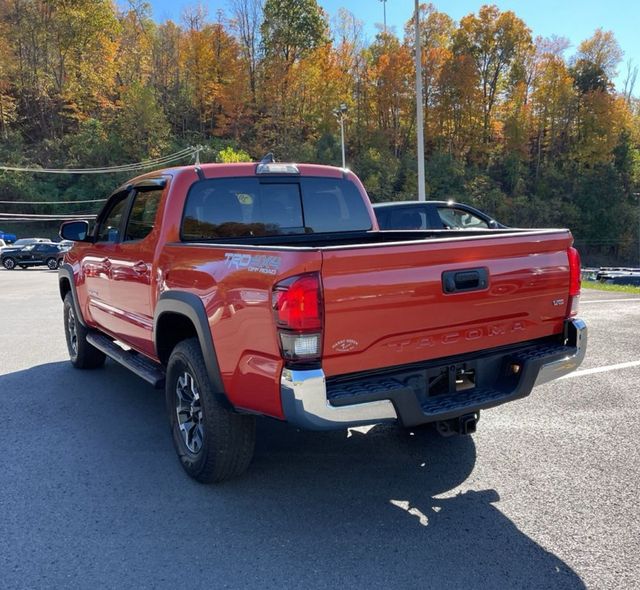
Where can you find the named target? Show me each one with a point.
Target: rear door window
(143, 214)
(239, 207)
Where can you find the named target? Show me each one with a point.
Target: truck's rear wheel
(212, 442)
(82, 354)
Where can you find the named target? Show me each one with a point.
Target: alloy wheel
(189, 412)
(72, 330)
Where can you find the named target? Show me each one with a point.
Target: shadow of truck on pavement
(93, 491)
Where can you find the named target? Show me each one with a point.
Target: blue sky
(574, 19)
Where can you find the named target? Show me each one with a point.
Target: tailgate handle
(459, 281)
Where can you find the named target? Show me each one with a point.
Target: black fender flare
(65, 272)
(190, 306)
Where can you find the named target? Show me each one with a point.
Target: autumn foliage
(527, 129)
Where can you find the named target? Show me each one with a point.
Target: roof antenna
(268, 159)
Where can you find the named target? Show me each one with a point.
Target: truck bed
(384, 303)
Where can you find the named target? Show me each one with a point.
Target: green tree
(141, 129)
(292, 28)
(229, 156)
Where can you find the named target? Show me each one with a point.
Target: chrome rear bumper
(576, 333)
(305, 401)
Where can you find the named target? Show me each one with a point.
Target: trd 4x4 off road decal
(268, 265)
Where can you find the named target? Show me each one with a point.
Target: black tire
(59, 263)
(82, 354)
(24, 266)
(9, 263)
(52, 263)
(221, 441)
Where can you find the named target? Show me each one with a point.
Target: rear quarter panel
(235, 285)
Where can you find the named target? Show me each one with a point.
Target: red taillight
(574, 281)
(574, 272)
(297, 307)
(297, 303)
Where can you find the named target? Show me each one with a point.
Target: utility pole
(419, 112)
(384, 9)
(637, 196)
(340, 113)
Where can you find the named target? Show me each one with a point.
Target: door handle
(141, 268)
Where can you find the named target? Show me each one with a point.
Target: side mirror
(77, 231)
(493, 224)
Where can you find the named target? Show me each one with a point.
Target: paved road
(545, 495)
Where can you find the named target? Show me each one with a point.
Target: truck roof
(243, 169)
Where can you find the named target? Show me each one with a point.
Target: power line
(50, 202)
(190, 151)
(55, 223)
(37, 216)
(83, 218)
(107, 169)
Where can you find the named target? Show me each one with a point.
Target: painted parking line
(610, 300)
(604, 369)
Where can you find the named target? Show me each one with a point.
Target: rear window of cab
(249, 206)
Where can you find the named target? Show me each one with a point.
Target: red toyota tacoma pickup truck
(268, 289)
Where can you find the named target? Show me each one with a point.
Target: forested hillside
(531, 130)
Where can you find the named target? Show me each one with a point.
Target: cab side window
(109, 230)
(143, 214)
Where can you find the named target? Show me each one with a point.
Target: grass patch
(605, 287)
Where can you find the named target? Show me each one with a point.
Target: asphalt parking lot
(545, 495)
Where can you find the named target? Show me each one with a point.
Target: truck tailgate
(386, 305)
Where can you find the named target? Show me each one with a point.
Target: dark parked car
(431, 215)
(40, 254)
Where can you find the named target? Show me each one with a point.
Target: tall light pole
(419, 113)
(384, 12)
(340, 113)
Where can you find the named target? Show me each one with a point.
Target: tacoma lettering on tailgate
(458, 336)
